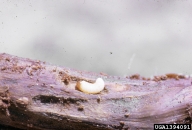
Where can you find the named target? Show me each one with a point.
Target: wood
(38, 96)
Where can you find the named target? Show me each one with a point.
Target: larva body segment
(90, 88)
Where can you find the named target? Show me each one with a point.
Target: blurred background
(117, 37)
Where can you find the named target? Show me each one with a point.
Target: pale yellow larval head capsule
(90, 88)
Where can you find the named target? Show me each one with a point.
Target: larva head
(100, 82)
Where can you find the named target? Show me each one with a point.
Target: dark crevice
(53, 99)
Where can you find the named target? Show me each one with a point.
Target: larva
(90, 88)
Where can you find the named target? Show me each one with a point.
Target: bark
(38, 96)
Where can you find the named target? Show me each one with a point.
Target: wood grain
(37, 95)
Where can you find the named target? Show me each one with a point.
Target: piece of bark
(38, 96)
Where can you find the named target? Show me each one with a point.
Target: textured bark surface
(37, 95)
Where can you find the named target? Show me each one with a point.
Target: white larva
(90, 88)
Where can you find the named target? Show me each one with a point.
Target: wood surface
(35, 95)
